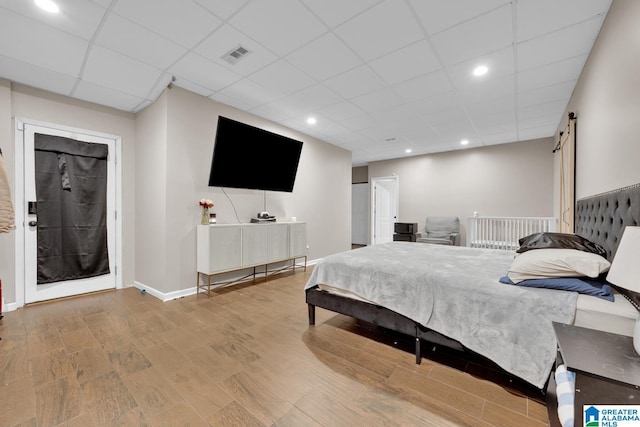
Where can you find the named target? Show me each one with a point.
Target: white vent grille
(235, 55)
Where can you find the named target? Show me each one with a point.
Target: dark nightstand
(405, 231)
(606, 366)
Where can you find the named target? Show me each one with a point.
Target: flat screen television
(245, 156)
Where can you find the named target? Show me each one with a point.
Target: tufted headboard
(603, 217)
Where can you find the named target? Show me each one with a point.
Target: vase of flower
(204, 218)
(205, 204)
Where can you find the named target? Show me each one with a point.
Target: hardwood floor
(244, 357)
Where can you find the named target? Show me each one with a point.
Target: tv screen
(248, 157)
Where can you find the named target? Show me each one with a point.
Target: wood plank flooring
(244, 357)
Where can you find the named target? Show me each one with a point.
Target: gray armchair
(441, 230)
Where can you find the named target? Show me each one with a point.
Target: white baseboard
(164, 296)
(12, 306)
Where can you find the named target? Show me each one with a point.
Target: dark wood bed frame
(601, 219)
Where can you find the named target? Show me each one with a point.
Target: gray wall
(179, 173)
(501, 180)
(607, 105)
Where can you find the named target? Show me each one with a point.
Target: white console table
(224, 248)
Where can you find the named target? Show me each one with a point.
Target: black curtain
(71, 193)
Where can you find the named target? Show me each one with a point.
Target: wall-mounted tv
(245, 156)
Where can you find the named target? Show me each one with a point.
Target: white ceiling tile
(501, 106)
(537, 132)
(110, 69)
(227, 38)
(438, 15)
(222, 8)
(487, 89)
(117, 34)
(207, 74)
(489, 124)
(556, 93)
(324, 57)
(335, 12)
(406, 63)
(270, 112)
(487, 33)
(227, 100)
(499, 63)
(532, 116)
(358, 122)
(377, 100)
(103, 3)
(437, 103)
(487, 129)
(550, 74)
(107, 96)
(314, 97)
(500, 137)
(569, 42)
(537, 17)
(31, 75)
(401, 116)
(184, 22)
(282, 77)
(271, 23)
(332, 129)
(340, 111)
(355, 82)
(421, 134)
(455, 130)
(249, 93)
(423, 86)
(28, 41)
(80, 18)
(192, 87)
(277, 110)
(382, 29)
(436, 147)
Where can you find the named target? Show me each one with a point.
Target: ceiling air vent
(235, 55)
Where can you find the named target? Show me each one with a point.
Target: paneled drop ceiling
(380, 77)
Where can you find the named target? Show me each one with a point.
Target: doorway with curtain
(70, 209)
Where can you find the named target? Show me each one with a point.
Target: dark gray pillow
(559, 241)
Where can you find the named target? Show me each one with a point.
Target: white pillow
(548, 263)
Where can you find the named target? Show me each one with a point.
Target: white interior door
(32, 291)
(385, 208)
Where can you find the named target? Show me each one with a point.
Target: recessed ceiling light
(48, 5)
(311, 120)
(464, 142)
(480, 70)
(408, 150)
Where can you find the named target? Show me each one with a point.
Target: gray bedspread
(455, 291)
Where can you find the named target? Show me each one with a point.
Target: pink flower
(205, 203)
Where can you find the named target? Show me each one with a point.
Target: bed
(459, 302)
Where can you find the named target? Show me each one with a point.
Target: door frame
(374, 219)
(21, 203)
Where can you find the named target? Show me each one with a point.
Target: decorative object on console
(263, 217)
(205, 204)
(625, 270)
